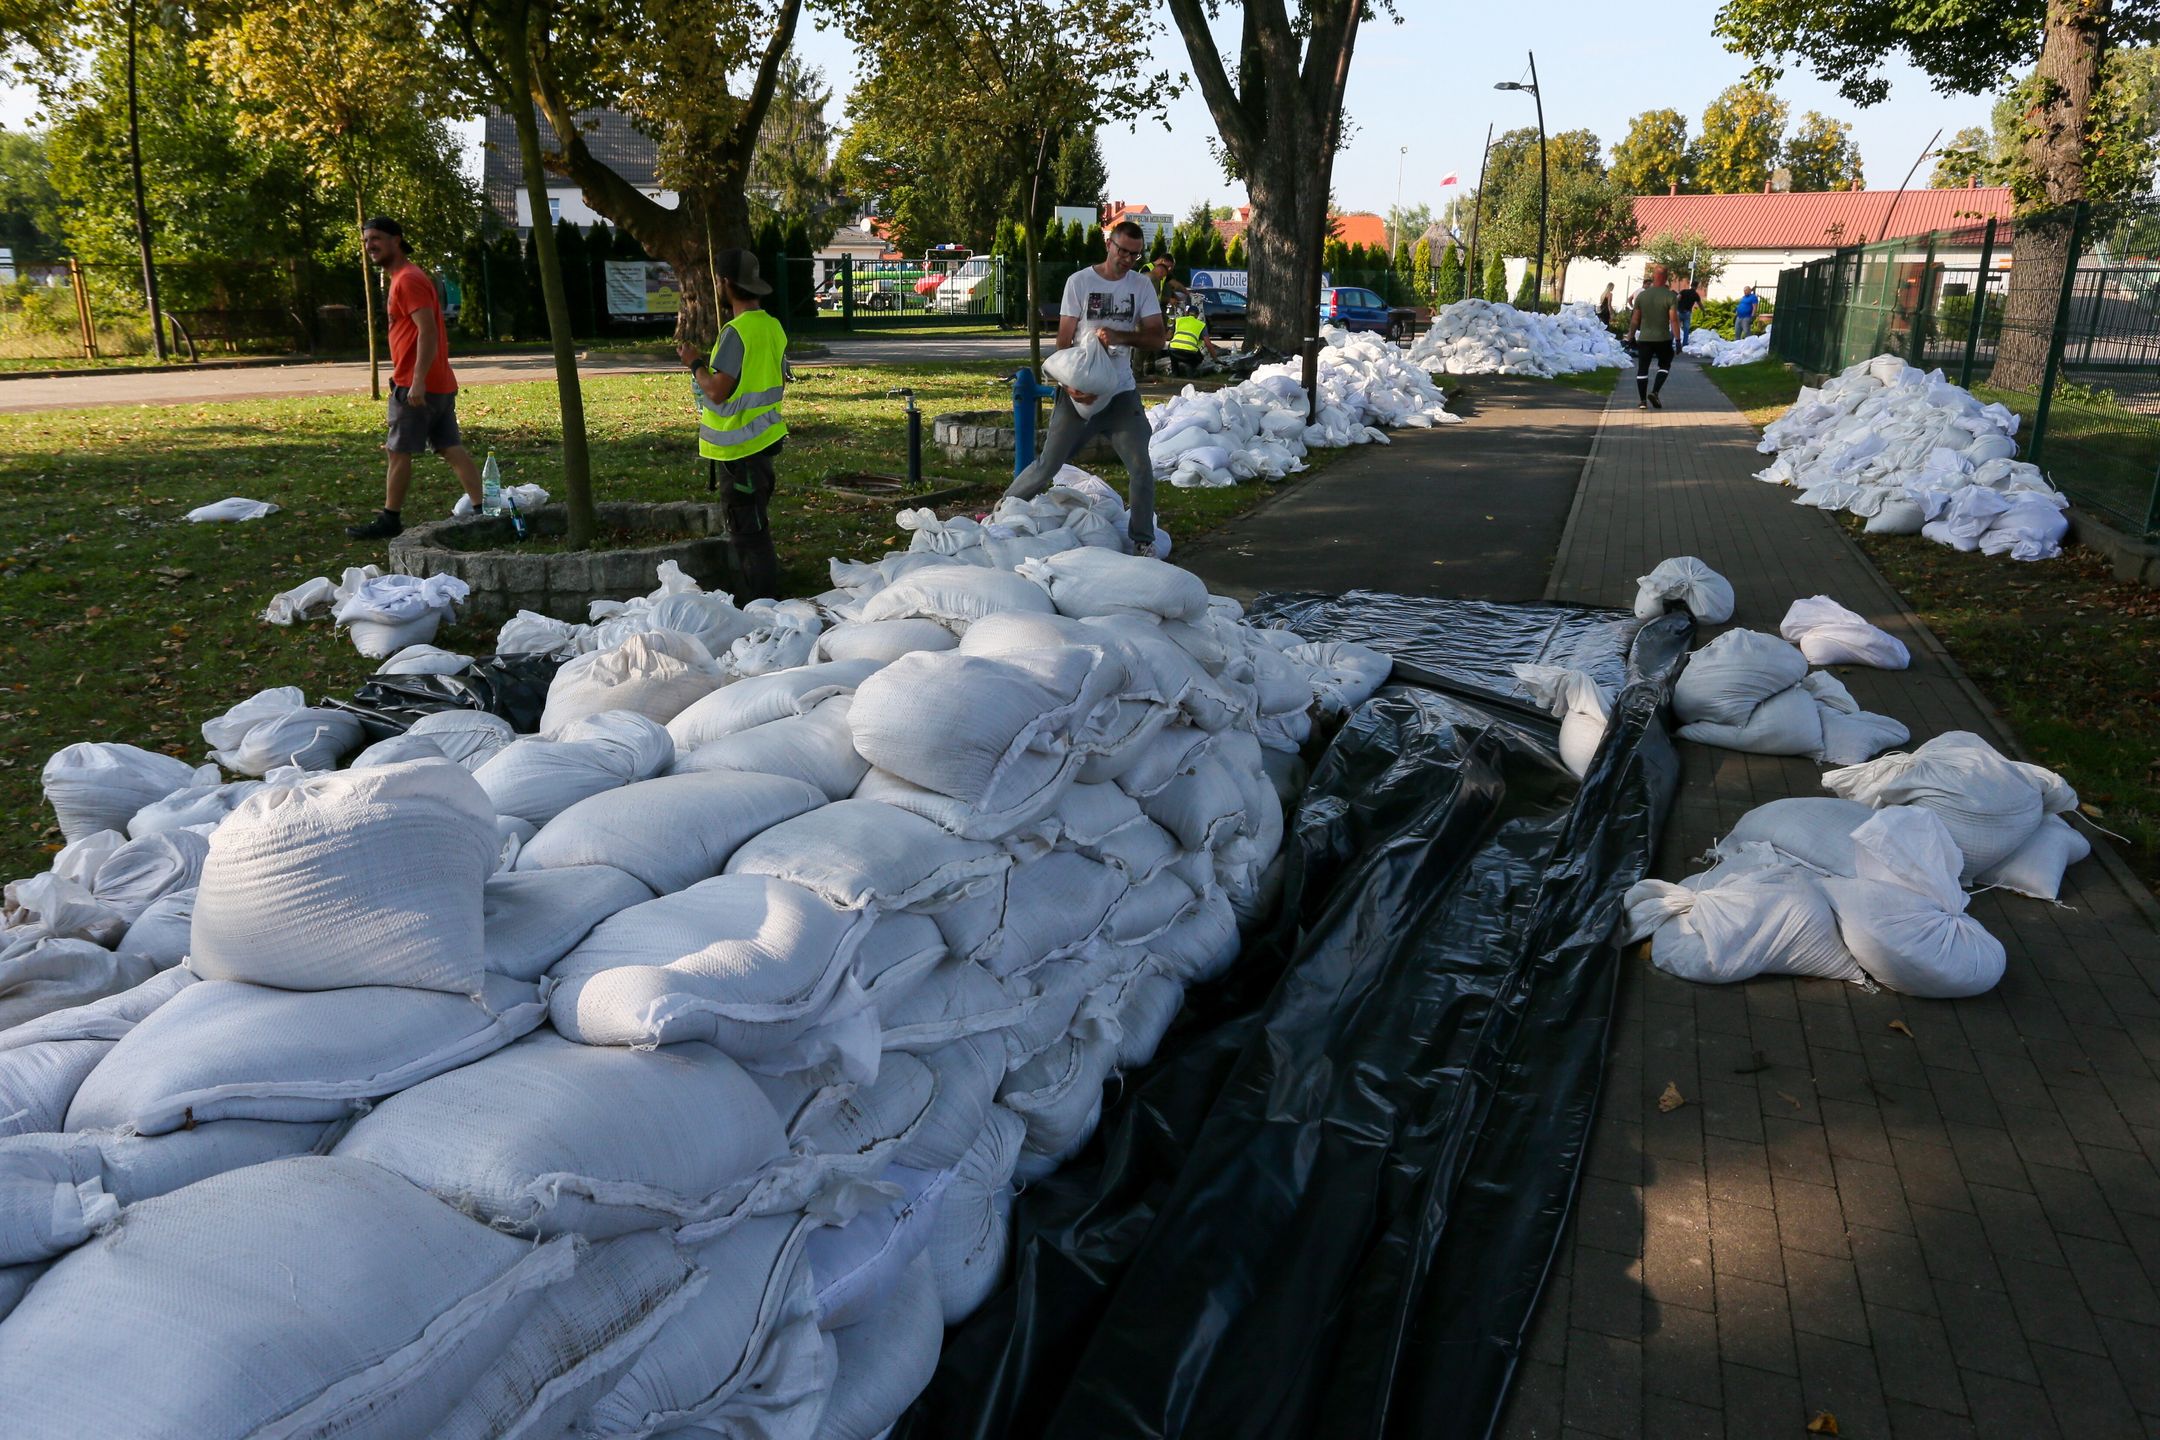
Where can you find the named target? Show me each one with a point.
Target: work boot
(1655, 403)
(385, 526)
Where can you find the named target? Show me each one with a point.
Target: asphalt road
(1472, 511)
(346, 377)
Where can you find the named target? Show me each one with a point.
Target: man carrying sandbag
(1107, 309)
(738, 389)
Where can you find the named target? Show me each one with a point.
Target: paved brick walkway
(1952, 1232)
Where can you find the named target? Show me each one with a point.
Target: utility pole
(1537, 261)
(1395, 217)
(142, 208)
(1472, 281)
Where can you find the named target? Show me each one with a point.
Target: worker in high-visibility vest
(1191, 351)
(738, 390)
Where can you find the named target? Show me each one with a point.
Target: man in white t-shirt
(1118, 303)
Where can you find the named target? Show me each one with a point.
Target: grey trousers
(1125, 422)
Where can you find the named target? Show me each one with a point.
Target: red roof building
(1823, 220)
(1359, 228)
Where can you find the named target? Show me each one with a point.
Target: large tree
(792, 178)
(1687, 254)
(1821, 155)
(1277, 105)
(31, 226)
(1971, 48)
(1966, 160)
(1737, 146)
(352, 89)
(1590, 216)
(1654, 158)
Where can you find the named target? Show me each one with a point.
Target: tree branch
(1231, 117)
(605, 190)
(742, 144)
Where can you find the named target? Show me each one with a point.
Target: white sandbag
(955, 595)
(306, 600)
(423, 660)
(548, 1137)
(858, 1266)
(364, 877)
(897, 953)
(746, 704)
(57, 1190)
(884, 640)
(859, 853)
(222, 1050)
(710, 619)
(1989, 804)
(1098, 581)
(817, 749)
(1829, 634)
(1344, 676)
(579, 1340)
(1173, 675)
(1699, 589)
(1201, 809)
(93, 786)
(531, 633)
(961, 724)
(396, 750)
(1053, 906)
(784, 640)
(958, 1000)
(142, 871)
(657, 673)
(276, 727)
(191, 805)
(1063, 998)
(1576, 697)
(360, 1307)
(1036, 781)
(744, 1358)
(670, 832)
(745, 963)
(1773, 920)
(39, 977)
(15, 1282)
(1851, 736)
(1902, 914)
(1175, 751)
(886, 1360)
(1726, 679)
(237, 507)
(1089, 366)
(1788, 723)
(1202, 944)
(1059, 1094)
(1814, 830)
(469, 737)
(2036, 867)
(531, 919)
(536, 779)
(43, 1061)
(967, 1072)
(162, 933)
(1899, 515)
(1147, 1005)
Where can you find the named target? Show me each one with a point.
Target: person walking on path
(1120, 307)
(423, 391)
(1744, 314)
(738, 388)
(1688, 300)
(1655, 325)
(1604, 305)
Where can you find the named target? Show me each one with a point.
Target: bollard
(1028, 393)
(914, 439)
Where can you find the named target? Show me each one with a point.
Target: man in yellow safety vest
(1190, 349)
(738, 389)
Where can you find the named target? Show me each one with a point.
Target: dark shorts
(413, 430)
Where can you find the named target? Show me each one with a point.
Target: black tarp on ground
(514, 687)
(1328, 1206)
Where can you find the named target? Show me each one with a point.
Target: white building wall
(568, 203)
(1587, 279)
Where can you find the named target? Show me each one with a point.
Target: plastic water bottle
(491, 491)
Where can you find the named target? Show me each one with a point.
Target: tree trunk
(367, 300)
(142, 208)
(1027, 245)
(577, 465)
(1282, 263)
(2063, 85)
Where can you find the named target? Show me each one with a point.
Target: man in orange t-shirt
(423, 392)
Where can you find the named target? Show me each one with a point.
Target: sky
(1427, 85)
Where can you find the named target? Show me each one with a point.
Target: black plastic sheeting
(512, 686)
(1329, 1204)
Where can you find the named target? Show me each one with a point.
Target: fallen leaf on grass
(1672, 1099)
(1824, 1423)
(2092, 812)
(1903, 1029)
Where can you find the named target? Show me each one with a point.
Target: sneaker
(1145, 550)
(1655, 403)
(1642, 404)
(382, 527)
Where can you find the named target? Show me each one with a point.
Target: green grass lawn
(121, 621)
(2068, 654)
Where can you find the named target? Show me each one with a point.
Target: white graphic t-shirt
(1117, 304)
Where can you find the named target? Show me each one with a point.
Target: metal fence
(2056, 315)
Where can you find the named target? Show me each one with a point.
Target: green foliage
(1821, 155)
(1968, 159)
(1407, 223)
(792, 178)
(1953, 319)
(1966, 47)
(1447, 284)
(1234, 258)
(1413, 267)
(1525, 294)
(1654, 157)
(1737, 146)
(1685, 253)
(30, 220)
(1078, 174)
(1495, 278)
(1718, 316)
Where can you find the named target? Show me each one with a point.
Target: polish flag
(1449, 179)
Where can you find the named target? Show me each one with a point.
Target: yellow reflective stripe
(750, 429)
(740, 402)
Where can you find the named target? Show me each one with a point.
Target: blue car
(1355, 308)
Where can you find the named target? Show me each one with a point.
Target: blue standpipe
(1027, 393)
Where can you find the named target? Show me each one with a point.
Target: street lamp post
(1395, 219)
(1537, 262)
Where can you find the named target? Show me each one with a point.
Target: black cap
(740, 267)
(387, 226)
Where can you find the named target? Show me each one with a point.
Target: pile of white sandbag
(1486, 337)
(668, 1071)
(1916, 455)
(1749, 691)
(1257, 430)
(1712, 348)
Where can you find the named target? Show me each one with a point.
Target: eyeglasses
(1130, 252)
